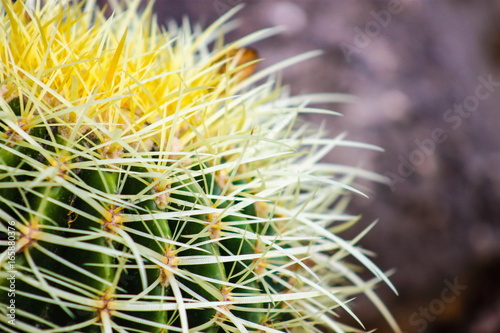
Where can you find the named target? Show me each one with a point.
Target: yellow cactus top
(123, 72)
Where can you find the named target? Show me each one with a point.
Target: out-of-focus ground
(418, 67)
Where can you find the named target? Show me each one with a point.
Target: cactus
(152, 180)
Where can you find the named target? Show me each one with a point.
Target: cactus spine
(153, 181)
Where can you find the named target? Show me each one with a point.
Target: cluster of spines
(164, 202)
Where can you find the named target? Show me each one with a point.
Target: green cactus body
(154, 181)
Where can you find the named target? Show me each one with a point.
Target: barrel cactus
(153, 180)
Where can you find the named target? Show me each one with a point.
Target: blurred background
(427, 75)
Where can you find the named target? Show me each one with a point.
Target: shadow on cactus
(151, 180)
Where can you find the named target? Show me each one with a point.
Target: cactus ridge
(151, 180)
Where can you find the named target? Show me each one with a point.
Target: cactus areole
(153, 179)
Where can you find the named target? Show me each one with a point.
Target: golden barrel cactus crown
(152, 180)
